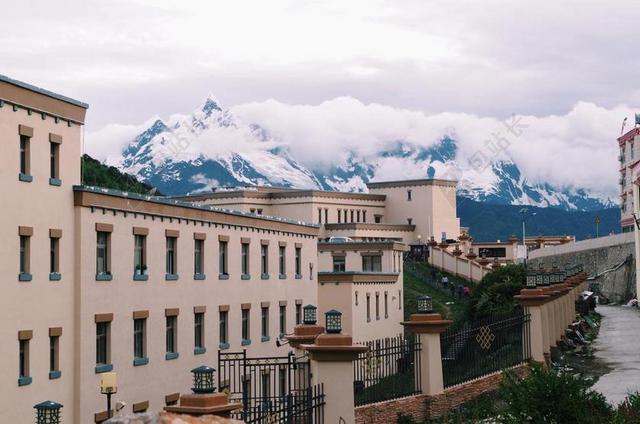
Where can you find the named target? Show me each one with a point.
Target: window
(283, 319)
(351, 215)
(409, 195)
(339, 216)
(356, 294)
(298, 313)
(54, 262)
(298, 262)
(222, 257)
(245, 325)
(140, 255)
(265, 323)
(24, 359)
(358, 215)
(198, 257)
(372, 263)
(139, 338)
(25, 155)
(345, 215)
(172, 263)
(399, 299)
(54, 161)
(171, 334)
(102, 343)
(338, 264)
(326, 216)
(282, 261)
(386, 304)
(377, 219)
(224, 327)
(368, 307)
(319, 215)
(259, 211)
(102, 253)
(24, 254)
(264, 257)
(54, 355)
(244, 260)
(377, 306)
(198, 328)
(364, 216)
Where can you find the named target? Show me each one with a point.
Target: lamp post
(109, 387)
(48, 412)
(523, 212)
(597, 222)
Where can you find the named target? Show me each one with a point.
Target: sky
(569, 67)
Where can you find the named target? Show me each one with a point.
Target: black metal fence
(272, 389)
(484, 347)
(390, 369)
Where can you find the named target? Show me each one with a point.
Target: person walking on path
(445, 281)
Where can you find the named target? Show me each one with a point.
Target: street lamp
(425, 305)
(48, 412)
(109, 387)
(333, 321)
(523, 212)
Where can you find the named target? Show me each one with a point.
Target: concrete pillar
(429, 327)
(533, 301)
(303, 334)
(331, 358)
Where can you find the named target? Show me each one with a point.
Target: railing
(301, 407)
(484, 347)
(390, 369)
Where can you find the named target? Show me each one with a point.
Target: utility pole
(597, 222)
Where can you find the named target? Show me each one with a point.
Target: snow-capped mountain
(212, 148)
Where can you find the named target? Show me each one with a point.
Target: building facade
(627, 158)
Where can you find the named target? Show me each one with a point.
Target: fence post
(534, 302)
(331, 358)
(429, 326)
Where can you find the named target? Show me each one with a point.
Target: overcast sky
(134, 59)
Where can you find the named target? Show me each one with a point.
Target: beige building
(102, 280)
(628, 158)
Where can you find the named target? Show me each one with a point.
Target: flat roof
(43, 91)
(264, 192)
(416, 182)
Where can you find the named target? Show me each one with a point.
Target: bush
(552, 397)
(628, 411)
(494, 293)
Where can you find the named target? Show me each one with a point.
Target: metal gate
(272, 389)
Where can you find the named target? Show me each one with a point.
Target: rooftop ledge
(358, 277)
(369, 226)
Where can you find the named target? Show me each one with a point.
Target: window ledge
(171, 355)
(265, 338)
(104, 368)
(171, 277)
(223, 346)
(245, 342)
(55, 182)
(140, 277)
(140, 361)
(264, 276)
(25, 276)
(245, 277)
(199, 276)
(104, 277)
(55, 276)
(199, 350)
(223, 276)
(54, 375)
(282, 276)
(25, 177)
(298, 276)
(24, 381)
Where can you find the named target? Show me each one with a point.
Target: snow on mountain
(211, 148)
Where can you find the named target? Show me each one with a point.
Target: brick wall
(422, 407)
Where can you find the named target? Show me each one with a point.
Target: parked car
(340, 239)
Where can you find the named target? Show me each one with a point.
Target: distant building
(627, 158)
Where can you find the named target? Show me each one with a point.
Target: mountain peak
(210, 104)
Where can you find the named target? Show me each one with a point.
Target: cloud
(106, 144)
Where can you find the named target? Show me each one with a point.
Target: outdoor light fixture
(333, 321)
(553, 278)
(48, 412)
(109, 387)
(546, 280)
(539, 278)
(531, 280)
(203, 381)
(309, 314)
(425, 305)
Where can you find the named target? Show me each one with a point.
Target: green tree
(494, 294)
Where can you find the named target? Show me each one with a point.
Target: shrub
(494, 293)
(628, 411)
(552, 397)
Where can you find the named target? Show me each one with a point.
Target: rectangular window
(364, 216)
(326, 216)
(140, 255)
(259, 212)
(319, 216)
(139, 338)
(54, 160)
(283, 319)
(358, 215)
(198, 257)
(264, 258)
(172, 263)
(372, 263)
(298, 262)
(409, 195)
(54, 263)
(338, 264)
(377, 219)
(171, 334)
(345, 215)
(244, 259)
(102, 253)
(386, 305)
(265, 322)
(198, 327)
(377, 306)
(282, 261)
(24, 358)
(245, 324)
(25, 155)
(339, 216)
(399, 299)
(222, 257)
(298, 314)
(368, 307)
(224, 327)
(54, 353)
(24, 254)
(351, 215)
(102, 343)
